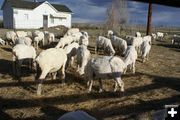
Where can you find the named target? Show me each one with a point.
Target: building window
(26, 16)
(52, 20)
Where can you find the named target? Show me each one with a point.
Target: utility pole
(149, 21)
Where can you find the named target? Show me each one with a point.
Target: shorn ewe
(145, 49)
(83, 55)
(176, 39)
(130, 58)
(160, 35)
(38, 37)
(23, 40)
(20, 53)
(66, 40)
(10, 36)
(72, 31)
(2, 42)
(50, 61)
(105, 67)
(104, 43)
(71, 51)
(117, 42)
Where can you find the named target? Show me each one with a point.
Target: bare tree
(117, 13)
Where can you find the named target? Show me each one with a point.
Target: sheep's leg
(14, 65)
(101, 87)
(18, 69)
(133, 67)
(72, 61)
(63, 72)
(115, 86)
(121, 84)
(90, 86)
(37, 46)
(54, 75)
(41, 78)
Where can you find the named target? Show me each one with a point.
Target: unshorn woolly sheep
(83, 55)
(105, 67)
(51, 61)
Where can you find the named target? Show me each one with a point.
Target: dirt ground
(155, 84)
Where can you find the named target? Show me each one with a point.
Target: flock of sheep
(119, 54)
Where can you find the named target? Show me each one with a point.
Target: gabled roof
(32, 5)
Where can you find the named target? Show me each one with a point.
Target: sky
(94, 11)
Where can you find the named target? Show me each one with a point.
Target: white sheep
(137, 41)
(39, 38)
(71, 51)
(84, 40)
(84, 33)
(104, 43)
(130, 57)
(66, 40)
(51, 61)
(129, 39)
(147, 38)
(160, 35)
(21, 33)
(176, 39)
(11, 36)
(138, 34)
(105, 67)
(145, 49)
(110, 33)
(72, 31)
(76, 36)
(2, 42)
(50, 37)
(119, 44)
(154, 36)
(20, 53)
(83, 55)
(23, 40)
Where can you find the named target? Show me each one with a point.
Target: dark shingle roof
(32, 5)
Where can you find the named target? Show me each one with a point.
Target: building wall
(8, 16)
(33, 19)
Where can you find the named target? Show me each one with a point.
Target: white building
(18, 14)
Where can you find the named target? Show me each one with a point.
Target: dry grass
(155, 84)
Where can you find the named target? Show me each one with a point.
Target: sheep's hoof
(100, 90)
(39, 93)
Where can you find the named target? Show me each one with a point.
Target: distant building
(18, 14)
